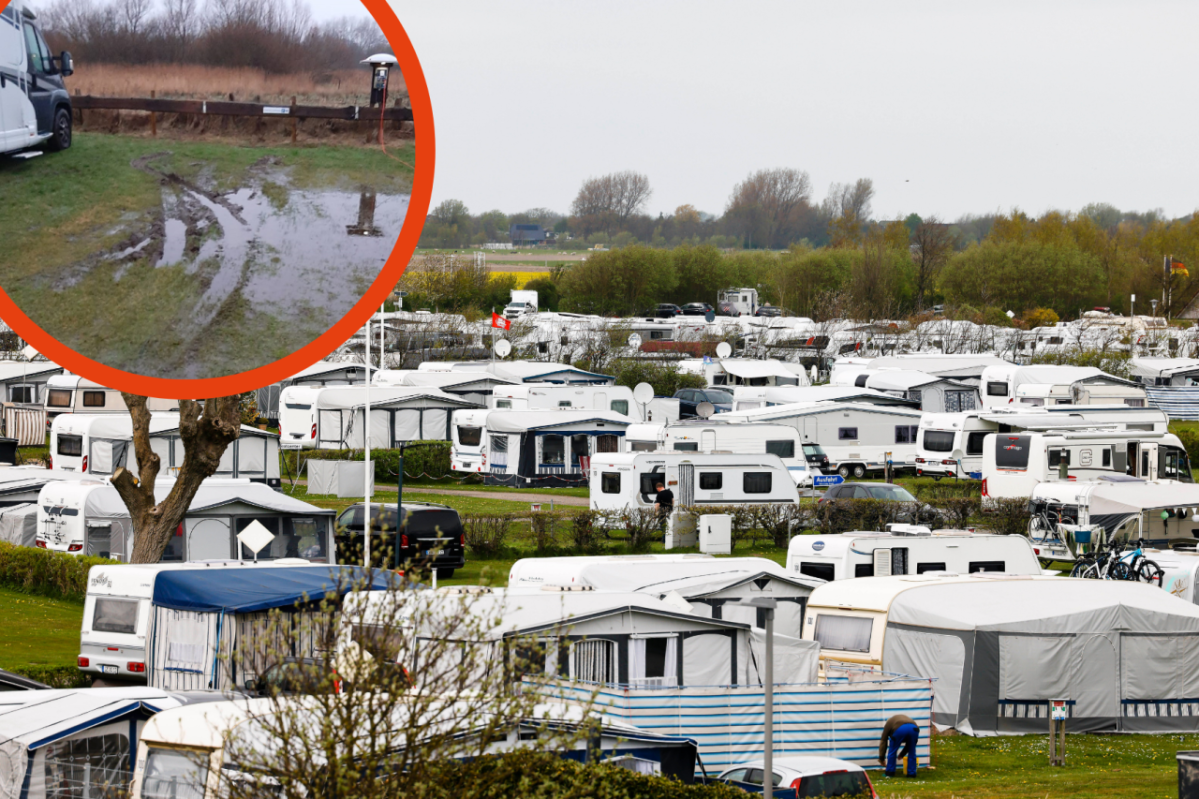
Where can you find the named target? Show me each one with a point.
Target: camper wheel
(859, 471)
(61, 139)
(843, 470)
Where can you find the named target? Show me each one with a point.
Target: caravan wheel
(859, 471)
(843, 470)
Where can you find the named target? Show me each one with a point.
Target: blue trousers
(906, 736)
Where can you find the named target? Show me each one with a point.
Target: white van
(863, 554)
(35, 107)
(1014, 463)
(629, 479)
(714, 436)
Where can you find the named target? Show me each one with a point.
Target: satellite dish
(705, 410)
(958, 454)
(710, 316)
(634, 340)
(643, 393)
(723, 350)
(503, 348)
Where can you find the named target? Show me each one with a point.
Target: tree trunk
(206, 430)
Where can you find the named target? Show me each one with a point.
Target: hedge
(57, 676)
(539, 775)
(41, 571)
(432, 460)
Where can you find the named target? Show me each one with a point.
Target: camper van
(312, 417)
(863, 554)
(715, 436)
(101, 444)
(1014, 463)
(629, 479)
(89, 518)
(116, 613)
(944, 439)
(68, 393)
(855, 436)
(35, 107)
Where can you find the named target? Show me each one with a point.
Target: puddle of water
(174, 240)
(125, 253)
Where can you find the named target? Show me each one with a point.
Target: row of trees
(277, 36)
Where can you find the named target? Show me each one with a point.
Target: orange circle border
(331, 339)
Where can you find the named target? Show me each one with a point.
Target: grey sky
(949, 107)
(323, 10)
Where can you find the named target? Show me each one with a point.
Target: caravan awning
(235, 591)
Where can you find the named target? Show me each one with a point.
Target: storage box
(716, 534)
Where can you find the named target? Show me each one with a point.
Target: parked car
(769, 310)
(430, 537)
(884, 492)
(727, 309)
(696, 309)
(664, 310)
(817, 459)
(807, 775)
(690, 398)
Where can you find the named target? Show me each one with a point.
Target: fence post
(77, 94)
(153, 117)
(294, 122)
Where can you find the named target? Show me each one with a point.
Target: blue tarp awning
(246, 590)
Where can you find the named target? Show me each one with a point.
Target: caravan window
(1056, 455)
(650, 480)
(938, 441)
(996, 389)
(987, 566)
(974, 443)
(580, 447)
(921, 568)
(503, 403)
(59, 398)
(863, 570)
(553, 450)
(756, 482)
(847, 434)
(469, 436)
(71, 446)
(1011, 452)
(711, 481)
(1135, 403)
(174, 774)
(860, 381)
(115, 616)
(607, 443)
(610, 482)
(956, 401)
(686, 446)
(563, 403)
(643, 446)
(784, 449)
(905, 434)
(821, 571)
(1107, 456)
(846, 633)
(620, 406)
(93, 399)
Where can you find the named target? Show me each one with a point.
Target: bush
(959, 510)
(485, 533)
(432, 460)
(40, 571)
(57, 676)
(779, 521)
(844, 515)
(665, 378)
(935, 492)
(1189, 436)
(1008, 516)
(542, 528)
(583, 531)
(641, 525)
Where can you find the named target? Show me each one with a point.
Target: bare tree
(767, 207)
(181, 23)
(206, 429)
(847, 207)
(932, 243)
(607, 203)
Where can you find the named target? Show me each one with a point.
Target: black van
(430, 537)
(34, 104)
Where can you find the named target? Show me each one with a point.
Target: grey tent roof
(689, 578)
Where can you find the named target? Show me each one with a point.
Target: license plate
(109, 669)
(431, 554)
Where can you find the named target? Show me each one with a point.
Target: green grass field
(37, 631)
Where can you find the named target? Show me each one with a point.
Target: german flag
(1178, 268)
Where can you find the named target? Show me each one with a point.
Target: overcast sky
(949, 107)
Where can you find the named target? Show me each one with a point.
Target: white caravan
(862, 554)
(88, 517)
(34, 104)
(1056, 385)
(617, 399)
(856, 437)
(100, 444)
(1014, 463)
(116, 613)
(756, 372)
(68, 393)
(714, 436)
(331, 418)
(951, 444)
(629, 480)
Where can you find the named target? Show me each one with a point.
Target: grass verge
(38, 633)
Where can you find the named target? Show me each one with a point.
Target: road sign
(826, 480)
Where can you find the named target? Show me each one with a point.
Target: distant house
(522, 235)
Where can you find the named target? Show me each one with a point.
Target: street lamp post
(768, 604)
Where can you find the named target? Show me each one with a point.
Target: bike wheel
(1120, 571)
(1149, 572)
(1083, 568)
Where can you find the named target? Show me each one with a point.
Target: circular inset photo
(197, 199)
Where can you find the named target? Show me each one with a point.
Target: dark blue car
(690, 398)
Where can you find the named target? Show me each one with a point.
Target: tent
(1124, 656)
(73, 742)
(18, 524)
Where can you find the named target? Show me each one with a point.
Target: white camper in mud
(35, 107)
(629, 480)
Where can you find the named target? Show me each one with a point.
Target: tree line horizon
(833, 258)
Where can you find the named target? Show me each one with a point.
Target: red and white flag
(500, 322)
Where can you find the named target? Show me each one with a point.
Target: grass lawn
(38, 631)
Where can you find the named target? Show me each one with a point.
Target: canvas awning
(228, 590)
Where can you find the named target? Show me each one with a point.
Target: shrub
(778, 521)
(1189, 436)
(641, 525)
(542, 527)
(844, 515)
(959, 510)
(485, 533)
(40, 571)
(934, 492)
(57, 676)
(583, 531)
(1008, 516)
(432, 460)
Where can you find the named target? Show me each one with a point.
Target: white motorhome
(88, 517)
(943, 436)
(629, 479)
(863, 554)
(331, 418)
(855, 436)
(35, 107)
(714, 436)
(117, 618)
(533, 448)
(1014, 463)
(101, 444)
(744, 300)
(1043, 385)
(534, 396)
(68, 393)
